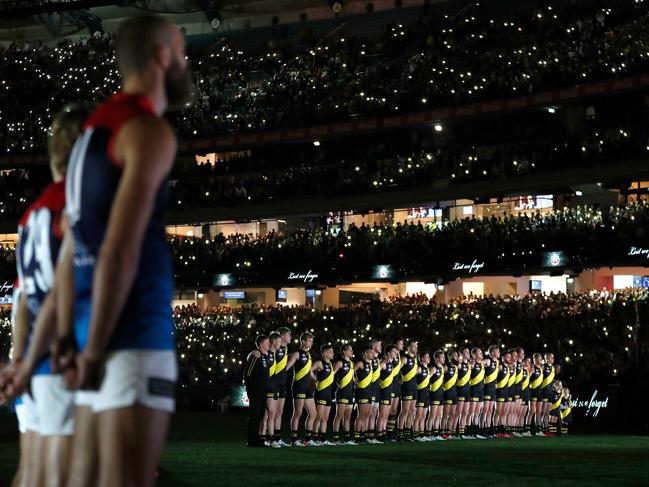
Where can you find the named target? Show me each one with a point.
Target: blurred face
(521, 354)
(496, 353)
(399, 345)
(369, 355)
(286, 338)
(264, 346)
(178, 77)
(275, 343)
(425, 359)
(550, 358)
(414, 346)
(514, 356)
(478, 354)
(466, 355)
(377, 348)
(454, 356)
(441, 359)
(538, 360)
(507, 358)
(392, 354)
(308, 343)
(328, 354)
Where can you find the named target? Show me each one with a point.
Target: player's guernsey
(450, 377)
(301, 370)
(525, 381)
(519, 373)
(536, 379)
(436, 379)
(477, 374)
(345, 376)
(376, 374)
(93, 177)
(270, 389)
(40, 238)
(396, 374)
(463, 374)
(548, 375)
(281, 358)
(491, 371)
(387, 377)
(364, 376)
(423, 378)
(409, 370)
(503, 376)
(325, 378)
(512, 376)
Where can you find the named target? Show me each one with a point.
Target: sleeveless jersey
(301, 369)
(387, 376)
(364, 376)
(519, 372)
(423, 378)
(512, 375)
(344, 376)
(281, 357)
(463, 374)
(325, 377)
(450, 377)
(491, 371)
(376, 372)
(477, 374)
(436, 379)
(536, 378)
(409, 370)
(503, 377)
(40, 240)
(525, 382)
(93, 177)
(271, 368)
(548, 375)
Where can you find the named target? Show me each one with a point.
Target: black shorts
(463, 393)
(490, 391)
(409, 391)
(476, 393)
(450, 396)
(363, 396)
(501, 394)
(517, 390)
(385, 396)
(302, 392)
(345, 396)
(281, 385)
(536, 394)
(547, 393)
(526, 395)
(436, 397)
(423, 398)
(272, 395)
(555, 412)
(396, 389)
(323, 397)
(376, 393)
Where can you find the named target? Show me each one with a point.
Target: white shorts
(54, 405)
(29, 415)
(145, 377)
(84, 398)
(20, 416)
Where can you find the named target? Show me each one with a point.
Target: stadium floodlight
(438, 127)
(316, 143)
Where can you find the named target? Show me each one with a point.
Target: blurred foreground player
(257, 380)
(123, 279)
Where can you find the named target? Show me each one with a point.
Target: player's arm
(317, 366)
(338, 365)
(145, 147)
(292, 359)
(21, 329)
(65, 346)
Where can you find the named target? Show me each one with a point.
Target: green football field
(207, 449)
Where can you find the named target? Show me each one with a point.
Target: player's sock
(336, 436)
(357, 436)
(308, 436)
(392, 420)
(293, 435)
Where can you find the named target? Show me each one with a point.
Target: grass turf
(206, 449)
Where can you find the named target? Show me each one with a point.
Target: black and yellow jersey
(503, 376)
(423, 377)
(376, 373)
(548, 375)
(477, 374)
(364, 376)
(525, 380)
(519, 373)
(271, 366)
(436, 378)
(536, 377)
(463, 374)
(450, 377)
(345, 376)
(512, 375)
(387, 375)
(281, 358)
(302, 369)
(409, 370)
(491, 371)
(396, 369)
(325, 377)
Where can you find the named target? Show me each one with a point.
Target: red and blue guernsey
(38, 248)
(146, 322)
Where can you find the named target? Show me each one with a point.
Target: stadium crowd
(586, 234)
(454, 59)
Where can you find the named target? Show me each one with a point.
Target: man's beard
(178, 87)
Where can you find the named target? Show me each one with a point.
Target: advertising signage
(224, 280)
(473, 267)
(383, 272)
(554, 259)
(303, 276)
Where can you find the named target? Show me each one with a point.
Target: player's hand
(256, 353)
(8, 390)
(64, 360)
(21, 379)
(90, 372)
